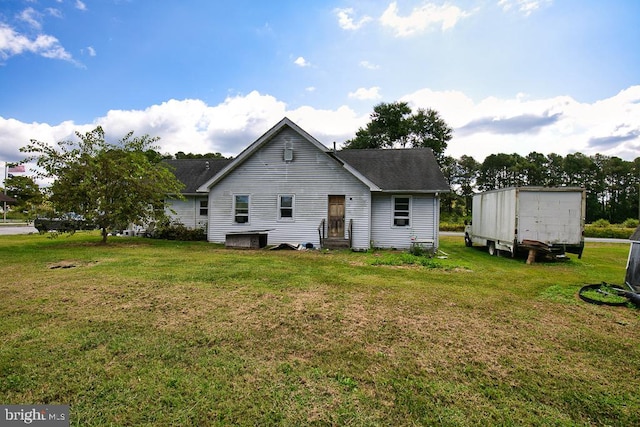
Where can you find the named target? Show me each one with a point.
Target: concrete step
(335, 243)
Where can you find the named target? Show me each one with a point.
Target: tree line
(611, 183)
(126, 181)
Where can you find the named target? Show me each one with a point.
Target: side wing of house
(192, 212)
(405, 207)
(400, 220)
(288, 186)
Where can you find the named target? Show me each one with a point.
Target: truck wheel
(467, 241)
(492, 249)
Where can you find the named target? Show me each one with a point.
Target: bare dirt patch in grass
(203, 336)
(71, 264)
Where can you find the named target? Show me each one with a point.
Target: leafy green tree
(27, 194)
(555, 170)
(451, 202)
(535, 167)
(110, 184)
(429, 130)
(468, 170)
(500, 171)
(619, 182)
(389, 126)
(395, 125)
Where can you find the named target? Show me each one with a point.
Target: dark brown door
(336, 216)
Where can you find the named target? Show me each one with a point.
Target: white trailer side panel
(494, 215)
(552, 217)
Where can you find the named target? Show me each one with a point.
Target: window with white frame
(241, 209)
(285, 207)
(401, 211)
(204, 207)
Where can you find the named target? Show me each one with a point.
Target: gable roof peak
(257, 144)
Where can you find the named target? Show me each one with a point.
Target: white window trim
(200, 207)
(293, 208)
(393, 211)
(233, 212)
(288, 151)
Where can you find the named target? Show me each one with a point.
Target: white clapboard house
(290, 188)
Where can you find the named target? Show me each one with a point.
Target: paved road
(27, 229)
(6, 230)
(586, 239)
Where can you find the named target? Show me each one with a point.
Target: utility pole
(4, 202)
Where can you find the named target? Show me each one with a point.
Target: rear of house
(291, 188)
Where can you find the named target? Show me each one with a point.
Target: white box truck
(543, 219)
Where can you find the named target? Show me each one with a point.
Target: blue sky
(510, 76)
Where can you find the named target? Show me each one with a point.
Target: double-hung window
(285, 207)
(241, 209)
(204, 207)
(401, 211)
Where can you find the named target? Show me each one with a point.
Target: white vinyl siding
(187, 211)
(311, 176)
(423, 226)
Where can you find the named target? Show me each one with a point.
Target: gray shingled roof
(7, 199)
(410, 169)
(193, 172)
(406, 170)
(636, 235)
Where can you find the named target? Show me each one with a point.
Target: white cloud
(301, 62)
(310, 89)
(520, 125)
(490, 126)
(13, 43)
(31, 17)
(329, 126)
(190, 125)
(346, 21)
(81, 6)
(54, 12)
(91, 51)
(526, 7)
(366, 94)
(15, 134)
(368, 65)
(422, 18)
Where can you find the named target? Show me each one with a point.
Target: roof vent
(206, 165)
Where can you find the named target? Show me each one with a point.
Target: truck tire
(492, 248)
(467, 241)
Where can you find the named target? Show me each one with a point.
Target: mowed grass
(144, 332)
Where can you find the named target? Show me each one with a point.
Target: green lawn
(144, 332)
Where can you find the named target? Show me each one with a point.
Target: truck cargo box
(548, 219)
